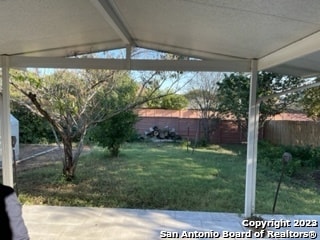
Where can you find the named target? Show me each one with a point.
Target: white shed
(14, 132)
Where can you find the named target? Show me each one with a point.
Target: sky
(120, 54)
(140, 53)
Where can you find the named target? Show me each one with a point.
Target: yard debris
(164, 133)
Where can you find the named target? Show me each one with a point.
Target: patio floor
(77, 223)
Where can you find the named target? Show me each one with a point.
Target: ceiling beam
(303, 47)
(263, 98)
(133, 64)
(201, 54)
(107, 11)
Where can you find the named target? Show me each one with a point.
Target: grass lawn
(167, 176)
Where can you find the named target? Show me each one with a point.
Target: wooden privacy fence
(300, 133)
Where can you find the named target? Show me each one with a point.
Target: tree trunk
(206, 130)
(68, 162)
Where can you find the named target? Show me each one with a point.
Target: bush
(270, 154)
(315, 157)
(115, 131)
(302, 157)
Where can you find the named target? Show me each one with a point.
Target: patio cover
(223, 35)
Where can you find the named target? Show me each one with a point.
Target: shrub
(302, 157)
(315, 157)
(115, 131)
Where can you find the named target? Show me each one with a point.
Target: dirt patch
(36, 155)
(28, 150)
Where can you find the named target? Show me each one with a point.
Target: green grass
(166, 176)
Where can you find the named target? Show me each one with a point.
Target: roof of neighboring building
(187, 113)
(291, 117)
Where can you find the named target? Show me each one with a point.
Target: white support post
(252, 143)
(128, 56)
(6, 146)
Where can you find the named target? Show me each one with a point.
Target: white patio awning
(282, 35)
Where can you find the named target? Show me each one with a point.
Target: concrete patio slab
(77, 223)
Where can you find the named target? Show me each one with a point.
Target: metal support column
(7, 169)
(252, 143)
(128, 56)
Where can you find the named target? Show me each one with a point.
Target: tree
(74, 101)
(203, 96)
(70, 101)
(311, 102)
(233, 95)
(171, 101)
(174, 102)
(114, 131)
(154, 86)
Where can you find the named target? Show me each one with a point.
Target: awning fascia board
(293, 51)
(263, 98)
(125, 64)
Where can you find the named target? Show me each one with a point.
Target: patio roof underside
(283, 36)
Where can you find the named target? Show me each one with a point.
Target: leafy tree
(311, 102)
(70, 101)
(233, 95)
(170, 101)
(74, 101)
(174, 101)
(203, 96)
(115, 130)
(160, 88)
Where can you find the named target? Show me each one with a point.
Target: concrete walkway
(75, 223)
